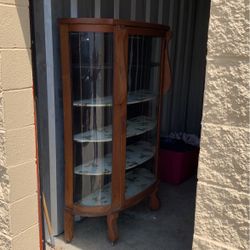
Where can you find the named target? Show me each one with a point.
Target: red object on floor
(176, 167)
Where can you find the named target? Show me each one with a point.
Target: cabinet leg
(68, 226)
(112, 227)
(154, 202)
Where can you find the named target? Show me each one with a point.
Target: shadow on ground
(170, 228)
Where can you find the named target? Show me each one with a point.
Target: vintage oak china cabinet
(114, 73)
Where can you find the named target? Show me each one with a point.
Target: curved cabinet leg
(68, 226)
(154, 202)
(112, 227)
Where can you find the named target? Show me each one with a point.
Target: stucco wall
(222, 205)
(18, 185)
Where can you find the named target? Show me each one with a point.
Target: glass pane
(143, 88)
(92, 83)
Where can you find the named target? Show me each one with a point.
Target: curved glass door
(92, 86)
(144, 60)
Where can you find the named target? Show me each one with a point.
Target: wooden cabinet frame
(121, 30)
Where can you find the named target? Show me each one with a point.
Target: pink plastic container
(176, 167)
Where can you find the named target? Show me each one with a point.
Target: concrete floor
(170, 228)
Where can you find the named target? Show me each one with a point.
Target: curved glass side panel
(144, 60)
(92, 86)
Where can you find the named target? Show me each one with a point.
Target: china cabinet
(114, 73)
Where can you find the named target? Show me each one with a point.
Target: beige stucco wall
(222, 205)
(18, 183)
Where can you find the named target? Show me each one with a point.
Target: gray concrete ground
(170, 228)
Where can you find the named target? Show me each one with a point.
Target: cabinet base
(112, 227)
(68, 226)
(112, 216)
(154, 202)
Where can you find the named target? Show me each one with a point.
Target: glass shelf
(152, 64)
(133, 97)
(137, 181)
(135, 126)
(137, 153)
(77, 66)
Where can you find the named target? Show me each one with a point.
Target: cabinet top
(112, 22)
